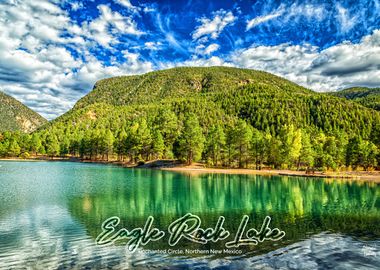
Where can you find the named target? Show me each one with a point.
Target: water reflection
(50, 214)
(301, 207)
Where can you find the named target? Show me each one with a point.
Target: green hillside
(222, 116)
(183, 82)
(220, 95)
(15, 116)
(369, 97)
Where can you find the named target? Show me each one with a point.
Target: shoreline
(356, 176)
(198, 168)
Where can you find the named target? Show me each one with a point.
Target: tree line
(167, 135)
(268, 123)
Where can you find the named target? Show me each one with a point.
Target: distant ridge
(369, 97)
(15, 116)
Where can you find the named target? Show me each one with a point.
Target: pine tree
(14, 149)
(158, 146)
(64, 146)
(242, 141)
(274, 152)
(52, 145)
(120, 144)
(291, 145)
(353, 152)
(259, 148)
(139, 140)
(35, 143)
(367, 154)
(215, 144)
(2, 149)
(167, 122)
(191, 141)
(109, 141)
(306, 156)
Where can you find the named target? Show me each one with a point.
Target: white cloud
(310, 11)
(109, 24)
(46, 60)
(134, 65)
(198, 62)
(58, 56)
(213, 27)
(284, 60)
(212, 61)
(337, 67)
(148, 9)
(44, 5)
(207, 50)
(292, 13)
(93, 70)
(153, 46)
(261, 19)
(36, 65)
(126, 3)
(76, 5)
(346, 20)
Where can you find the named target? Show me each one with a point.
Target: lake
(52, 212)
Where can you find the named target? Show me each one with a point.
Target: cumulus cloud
(38, 44)
(86, 76)
(213, 27)
(207, 50)
(343, 65)
(205, 62)
(198, 62)
(108, 25)
(48, 60)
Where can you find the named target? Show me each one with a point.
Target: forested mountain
(15, 116)
(180, 83)
(222, 116)
(369, 97)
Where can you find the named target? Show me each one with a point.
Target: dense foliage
(15, 116)
(222, 116)
(369, 97)
(179, 83)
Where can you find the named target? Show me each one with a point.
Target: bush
(140, 162)
(25, 155)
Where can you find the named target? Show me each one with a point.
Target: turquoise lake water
(52, 212)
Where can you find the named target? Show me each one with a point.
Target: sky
(52, 52)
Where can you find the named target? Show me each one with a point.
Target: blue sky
(52, 52)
